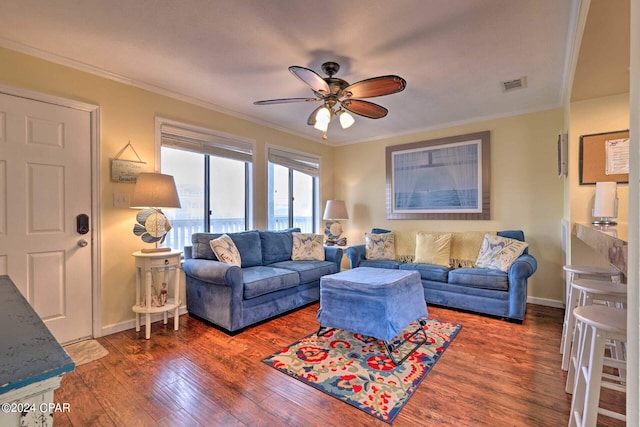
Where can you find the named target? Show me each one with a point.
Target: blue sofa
(480, 290)
(267, 283)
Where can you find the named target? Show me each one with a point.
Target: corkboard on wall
(593, 158)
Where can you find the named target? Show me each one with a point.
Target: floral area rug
(357, 370)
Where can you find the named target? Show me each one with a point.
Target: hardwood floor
(494, 373)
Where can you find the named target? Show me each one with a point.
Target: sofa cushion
(225, 250)
(200, 246)
(480, 278)
(380, 263)
(499, 252)
(247, 242)
(307, 246)
(308, 271)
(262, 280)
(276, 245)
(438, 273)
(433, 248)
(379, 246)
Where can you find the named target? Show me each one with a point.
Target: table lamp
(605, 204)
(333, 212)
(152, 192)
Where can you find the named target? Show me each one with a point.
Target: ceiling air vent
(514, 84)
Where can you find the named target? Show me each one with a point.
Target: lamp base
(154, 250)
(339, 242)
(604, 221)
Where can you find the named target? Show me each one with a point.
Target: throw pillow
(307, 247)
(499, 253)
(433, 248)
(226, 251)
(380, 246)
(465, 246)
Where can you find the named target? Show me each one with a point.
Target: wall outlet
(121, 200)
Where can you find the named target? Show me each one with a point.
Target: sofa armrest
(188, 252)
(215, 272)
(519, 272)
(524, 266)
(333, 254)
(356, 254)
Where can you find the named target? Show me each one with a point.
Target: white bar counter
(609, 241)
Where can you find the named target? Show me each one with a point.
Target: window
(292, 190)
(212, 173)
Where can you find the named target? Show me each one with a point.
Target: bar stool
(597, 324)
(576, 272)
(590, 291)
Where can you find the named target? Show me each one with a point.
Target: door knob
(82, 243)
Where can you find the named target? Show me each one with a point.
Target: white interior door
(45, 182)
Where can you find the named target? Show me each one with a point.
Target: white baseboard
(546, 302)
(131, 324)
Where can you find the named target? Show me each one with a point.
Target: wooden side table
(164, 262)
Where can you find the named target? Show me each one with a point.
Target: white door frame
(94, 112)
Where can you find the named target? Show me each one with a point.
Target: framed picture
(604, 157)
(446, 178)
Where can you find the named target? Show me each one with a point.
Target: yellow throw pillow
(433, 248)
(465, 246)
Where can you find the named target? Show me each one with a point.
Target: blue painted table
(32, 362)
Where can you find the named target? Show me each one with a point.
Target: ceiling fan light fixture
(323, 117)
(337, 96)
(323, 126)
(346, 119)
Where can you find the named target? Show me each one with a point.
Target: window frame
(209, 143)
(305, 163)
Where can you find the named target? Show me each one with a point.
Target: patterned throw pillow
(433, 248)
(380, 246)
(226, 250)
(307, 247)
(499, 253)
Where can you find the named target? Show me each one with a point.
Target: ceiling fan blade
(364, 108)
(376, 86)
(285, 101)
(311, 78)
(312, 117)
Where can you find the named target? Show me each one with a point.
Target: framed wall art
(446, 178)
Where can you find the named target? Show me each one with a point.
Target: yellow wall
(127, 114)
(598, 115)
(526, 192)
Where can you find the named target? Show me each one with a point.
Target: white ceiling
(228, 54)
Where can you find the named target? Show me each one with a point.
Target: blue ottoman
(375, 302)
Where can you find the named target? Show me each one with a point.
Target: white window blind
(207, 142)
(303, 163)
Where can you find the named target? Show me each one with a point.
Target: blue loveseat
(267, 283)
(481, 290)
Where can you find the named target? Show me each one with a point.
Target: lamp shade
(604, 204)
(346, 119)
(155, 190)
(335, 209)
